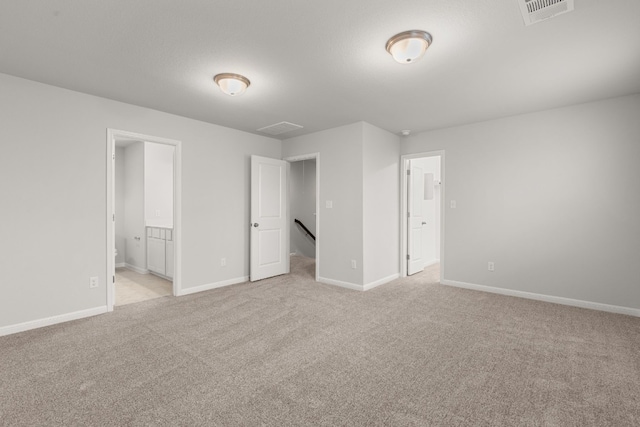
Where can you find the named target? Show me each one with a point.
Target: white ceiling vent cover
(539, 10)
(279, 128)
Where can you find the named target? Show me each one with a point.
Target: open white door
(417, 219)
(269, 218)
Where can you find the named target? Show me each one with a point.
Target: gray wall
(340, 182)
(381, 202)
(551, 197)
(53, 192)
(359, 173)
(303, 206)
(135, 237)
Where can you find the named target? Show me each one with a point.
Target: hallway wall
(303, 206)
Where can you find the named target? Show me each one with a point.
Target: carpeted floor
(288, 351)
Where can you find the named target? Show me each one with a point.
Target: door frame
(299, 158)
(404, 208)
(112, 134)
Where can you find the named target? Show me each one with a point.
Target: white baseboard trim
(48, 321)
(546, 298)
(380, 282)
(136, 269)
(430, 263)
(121, 265)
(209, 286)
(347, 285)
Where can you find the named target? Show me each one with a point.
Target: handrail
(297, 221)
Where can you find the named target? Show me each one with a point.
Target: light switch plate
(329, 204)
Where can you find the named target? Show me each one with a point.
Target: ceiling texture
(322, 64)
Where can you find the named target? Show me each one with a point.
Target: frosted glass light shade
(232, 84)
(409, 46)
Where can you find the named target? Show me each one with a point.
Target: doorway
(422, 235)
(304, 190)
(143, 217)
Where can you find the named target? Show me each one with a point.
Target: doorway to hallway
(304, 219)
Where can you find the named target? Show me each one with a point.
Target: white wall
(340, 234)
(53, 192)
(158, 184)
(381, 204)
(134, 195)
(303, 206)
(119, 205)
(552, 198)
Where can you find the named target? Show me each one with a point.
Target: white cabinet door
(156, 255)
(169, 259)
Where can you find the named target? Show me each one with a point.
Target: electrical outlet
(157, 213)
(353, 264)
(93, 282)
(490, 266)
(223, 262)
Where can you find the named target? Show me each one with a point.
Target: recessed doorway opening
(422, 229)
(304, 214)
(143, 217)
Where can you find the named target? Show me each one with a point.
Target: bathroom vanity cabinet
(160, 251)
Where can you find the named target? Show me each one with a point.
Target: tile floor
(134, 287)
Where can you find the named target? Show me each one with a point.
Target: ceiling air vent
(279, 128)
(538, 10)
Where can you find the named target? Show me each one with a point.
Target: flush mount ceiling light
(409, 46)
(232, 84)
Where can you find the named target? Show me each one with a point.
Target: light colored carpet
(134, 287)
(287, 351)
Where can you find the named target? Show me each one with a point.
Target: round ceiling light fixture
(232, 84)
(409, 46)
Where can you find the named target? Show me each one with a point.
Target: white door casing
(416, 231)
(269, 218)
(112, 134)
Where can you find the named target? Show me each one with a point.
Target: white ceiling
(321, 64)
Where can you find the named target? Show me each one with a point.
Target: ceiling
(322, 64)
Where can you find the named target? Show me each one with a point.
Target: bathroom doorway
(303, 208)
(143, 217)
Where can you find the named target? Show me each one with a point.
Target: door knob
(255, 224)
(424, 223)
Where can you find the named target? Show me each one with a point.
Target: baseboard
(209, 286)
(162, 276)
(53, 320)
(430, 263)
(136, 269)
(547, 298)
(380, 282)
(121, 265)
(347, 285)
